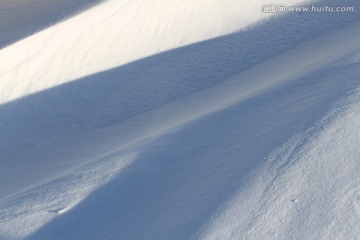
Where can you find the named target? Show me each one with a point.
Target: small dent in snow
(58, 210)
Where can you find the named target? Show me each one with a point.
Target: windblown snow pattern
(181, 119)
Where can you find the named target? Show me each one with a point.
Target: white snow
(115, 33)
(308, 188)
(178, 120)
(21, 18)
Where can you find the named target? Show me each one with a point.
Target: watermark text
(283, 8)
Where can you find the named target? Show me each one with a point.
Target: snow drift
(179, 120)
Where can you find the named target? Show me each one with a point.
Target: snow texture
(178, 119)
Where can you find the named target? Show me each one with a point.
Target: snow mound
(308, 188)
(114, 33)
(182, 120)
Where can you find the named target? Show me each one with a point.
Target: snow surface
(178, 120)
(19, 18)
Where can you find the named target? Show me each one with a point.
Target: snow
(178, 120)
(308, 188)
(20, 18)
(115, 33)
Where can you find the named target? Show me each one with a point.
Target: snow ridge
(182, 120)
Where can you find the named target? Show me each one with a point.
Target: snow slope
(20, 18)
(307, 189)
(179, 120)
(215, 178)
(115, 33)
(82, 108)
